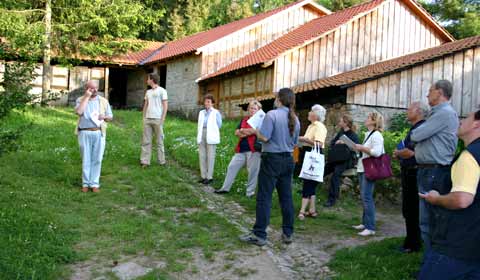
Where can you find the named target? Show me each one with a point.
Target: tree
(77, 27)
(460, 17)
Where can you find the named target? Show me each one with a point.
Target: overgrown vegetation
(376, 260)
(150, 212)
(46, 223)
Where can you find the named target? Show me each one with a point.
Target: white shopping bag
(313, 165)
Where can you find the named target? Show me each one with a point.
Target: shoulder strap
(373, 131)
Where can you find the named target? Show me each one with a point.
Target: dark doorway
(117, 82)
(162, 71)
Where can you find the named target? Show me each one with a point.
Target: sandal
(312, 214)
(301, 216)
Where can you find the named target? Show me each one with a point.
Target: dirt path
(305, 258)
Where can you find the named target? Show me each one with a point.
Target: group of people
(441, 205)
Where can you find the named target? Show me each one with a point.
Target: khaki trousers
(206, 154)
(239, 160)
(152, 127)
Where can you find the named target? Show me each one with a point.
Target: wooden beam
(106, 83)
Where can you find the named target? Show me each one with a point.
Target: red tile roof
(307, 32)
(389, 66)
(192, 43)
(131, 57)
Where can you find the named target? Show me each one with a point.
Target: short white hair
(319, 111)
(422, 107)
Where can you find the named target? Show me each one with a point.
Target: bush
(15, 87)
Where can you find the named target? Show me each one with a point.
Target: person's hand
(359, 147)
(430, 197)
(89, 92)
(101, 117)
(405, 153)
(339, 142)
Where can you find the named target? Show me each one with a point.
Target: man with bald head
(405, 152)
(93, 111)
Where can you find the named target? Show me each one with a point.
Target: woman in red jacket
(246, 153)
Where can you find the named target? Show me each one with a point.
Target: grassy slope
(45, 222)
(138, 211)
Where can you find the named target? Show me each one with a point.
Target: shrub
(15, 87)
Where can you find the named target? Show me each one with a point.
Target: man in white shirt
(154, 113)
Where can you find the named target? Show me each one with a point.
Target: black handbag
(339, 153)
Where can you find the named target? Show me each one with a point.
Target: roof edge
(319, 8)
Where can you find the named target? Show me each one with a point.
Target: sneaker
(220, 191)
(287, 239)
(251, 238)
(366, 232)
(359, 227)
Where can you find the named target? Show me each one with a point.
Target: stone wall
(359, 114)
(136, 87)
(181, 86)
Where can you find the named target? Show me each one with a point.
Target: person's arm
(145, 106)
(108, 114)
(452, 201)
(219, 119)
(80, 109)
(430, 127)
(404, 153)
(377, 146)
(164, 110)
(266, 130)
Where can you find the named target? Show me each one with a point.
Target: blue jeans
(276, 171)
(92, 146)
(334, 189)
(441, 267)
(366, 193)
(427, 179)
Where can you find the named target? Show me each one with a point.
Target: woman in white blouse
(372, 147)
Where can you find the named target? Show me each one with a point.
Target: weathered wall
(389, 31)
(359, 114)
(238, 44)
(398, 90)
(136, 87)
(181, 86)
(231, 91)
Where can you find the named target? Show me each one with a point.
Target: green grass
(376, 260)
(46, 222)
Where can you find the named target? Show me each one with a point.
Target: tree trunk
(46, 74)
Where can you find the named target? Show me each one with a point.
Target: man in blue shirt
(436, 142)
(93, 111)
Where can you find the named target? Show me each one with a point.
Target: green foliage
(399, 122)
(78, 27)
(15, 86)
(459, 17)
(376, 260)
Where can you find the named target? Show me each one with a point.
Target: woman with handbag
(315, 135)
(247, 152)
(340, 157)
(372, 147)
